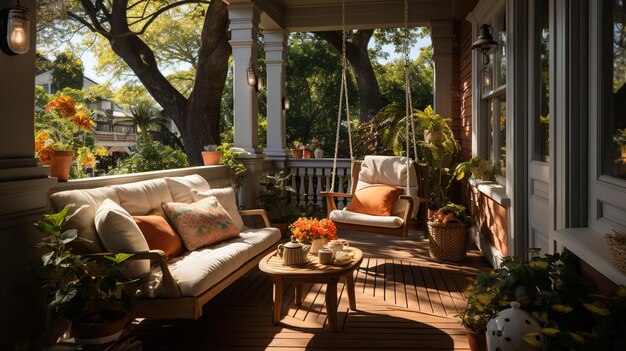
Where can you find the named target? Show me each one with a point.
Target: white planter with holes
(505, 331)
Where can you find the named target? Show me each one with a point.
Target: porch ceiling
(321, 15)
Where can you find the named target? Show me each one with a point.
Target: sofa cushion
(200, 223)
(199, 270)
(348, 217)
(227, 198)
(181, 187)
(375, 200)
(142, 198)
(84, 222)
(119, 233)
(159, 235)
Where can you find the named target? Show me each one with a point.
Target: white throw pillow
(227, 198)
(180, 187)
(118, 232)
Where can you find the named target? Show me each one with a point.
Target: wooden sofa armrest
(257, 212)
(170, 287)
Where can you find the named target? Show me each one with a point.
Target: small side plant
(229, 158)
(277, 199)
(210, 147)
(479, 168)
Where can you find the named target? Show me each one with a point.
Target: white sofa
(187, 281)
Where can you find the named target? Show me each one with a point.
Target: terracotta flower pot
(211, 157)
(433, 137)
(296, 153)
(306, 153)
(477, 341)
(60, 165)
(98, 328)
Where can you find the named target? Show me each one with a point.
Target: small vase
(476, 341)
(316, 245)
(318, 153)
(296, 153)
(306, 153)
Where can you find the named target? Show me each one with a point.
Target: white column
(244, 27)
(442, 34)
(275, 54)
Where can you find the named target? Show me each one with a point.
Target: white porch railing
(310, 176)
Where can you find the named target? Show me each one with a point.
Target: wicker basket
(448, 242)
(617, 248)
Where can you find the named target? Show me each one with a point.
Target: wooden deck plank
(404, 302)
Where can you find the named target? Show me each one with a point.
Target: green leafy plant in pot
(277, 200)
(82, 289)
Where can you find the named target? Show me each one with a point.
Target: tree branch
(153, 16)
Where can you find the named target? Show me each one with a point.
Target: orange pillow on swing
(376, 200)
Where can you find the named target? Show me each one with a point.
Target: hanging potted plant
(64, 127)
(211, 155)
(432, 124)
(83, 297)
(277, 200)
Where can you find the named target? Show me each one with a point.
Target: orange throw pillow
(376, 200)
(159, 234)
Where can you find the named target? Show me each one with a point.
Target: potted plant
(551, 288)
(76, 291)
(61, 130)
(448, 233)
(314, 232)
(229, 158)
(482, 171)
(297, 150)
(277, 200)
(306, 151)
(316, 146)
(211, 155)
(432, 124)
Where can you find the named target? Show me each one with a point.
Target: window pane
(614, 122)
(543, 109)
(501, 137)
(491, 113)
(501, 38)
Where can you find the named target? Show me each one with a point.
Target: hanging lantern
(15, 30)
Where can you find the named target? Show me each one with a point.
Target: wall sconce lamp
(259, 84)
(15, 30)
(251, 75)
(485, 42)
(286, 103)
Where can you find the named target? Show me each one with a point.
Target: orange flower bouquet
(308, 229)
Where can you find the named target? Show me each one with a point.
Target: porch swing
(387, 191)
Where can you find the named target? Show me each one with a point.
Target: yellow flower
(484, 298)
(531, 340)
(83, 121)
(602, 311)
(89, 161)
(561, 308)
(550, 331)
(100, 151)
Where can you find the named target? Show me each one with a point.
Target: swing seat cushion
(375, 200)
(349, 217)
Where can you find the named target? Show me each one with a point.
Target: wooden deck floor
(404, 301)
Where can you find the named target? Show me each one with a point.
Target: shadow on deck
(405, 300)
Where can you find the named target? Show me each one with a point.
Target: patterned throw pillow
(200, 223)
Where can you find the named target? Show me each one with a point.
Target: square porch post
(275, 54)
(443, 45)
(244, 26)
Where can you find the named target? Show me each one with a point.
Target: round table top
(272, 264)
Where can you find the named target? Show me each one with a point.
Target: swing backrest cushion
(389, 171)
(375, 200)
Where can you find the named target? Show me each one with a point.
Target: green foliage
(151, 155)
(479, 168)
(277, 199)
(550, 287)
(67, 71)
(68, 278)
(229, 158)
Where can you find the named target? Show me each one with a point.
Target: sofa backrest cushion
(119, 233)
(83, 222)
(227, 198)
(201, 223)
(142, 198)
(181, 187)
(159, 234)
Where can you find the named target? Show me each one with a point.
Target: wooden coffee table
(311, 272)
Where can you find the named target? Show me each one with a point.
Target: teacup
(338, 244)
(325, 256)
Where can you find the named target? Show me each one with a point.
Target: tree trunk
(198, 117)
(370, 100)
